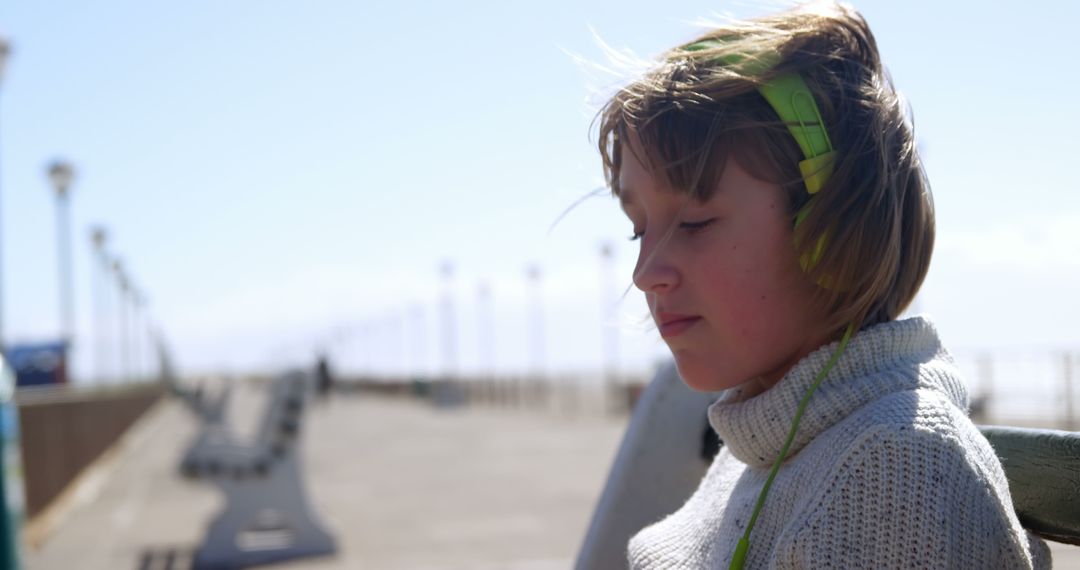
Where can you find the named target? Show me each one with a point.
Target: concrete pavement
(401, 485)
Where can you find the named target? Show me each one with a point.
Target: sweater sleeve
(903, 497)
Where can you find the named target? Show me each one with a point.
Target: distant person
(324, 382)
(785, 221)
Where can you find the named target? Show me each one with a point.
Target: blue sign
(39, 364)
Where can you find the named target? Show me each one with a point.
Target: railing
(64, 429)
(563, 394)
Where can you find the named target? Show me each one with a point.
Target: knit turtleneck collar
(889, 357)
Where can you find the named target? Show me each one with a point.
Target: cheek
(774, 257)
(734, 289)
(753, 281)
(746, 269)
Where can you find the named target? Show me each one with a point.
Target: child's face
(721, 278)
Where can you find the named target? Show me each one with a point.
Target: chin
(698, 376)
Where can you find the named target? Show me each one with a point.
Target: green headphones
(789, 96)
(793, 101)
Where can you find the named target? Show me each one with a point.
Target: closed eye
(696, 226)
(688, 226)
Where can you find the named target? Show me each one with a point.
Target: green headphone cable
(794, 103)
(741, 549)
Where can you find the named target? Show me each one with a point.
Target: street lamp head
(61, 174)
(98, 235)
(447, 269)
(5, 51)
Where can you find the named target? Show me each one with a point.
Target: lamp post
(537, 394)
(122, 287)
(534, 276)
(143, 331)
(485, 329)
(98, 237)
(135, 319)
(449, 324)
(61, 174)
(5, 51)
(485, 341)
(418, 334)
(608, 301)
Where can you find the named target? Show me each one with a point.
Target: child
(784, 222)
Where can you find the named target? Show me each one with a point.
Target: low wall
(64, 429)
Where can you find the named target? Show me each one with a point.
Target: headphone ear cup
(809, 259)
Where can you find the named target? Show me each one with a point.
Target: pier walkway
(401, 485)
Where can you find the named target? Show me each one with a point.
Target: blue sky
(285, 175)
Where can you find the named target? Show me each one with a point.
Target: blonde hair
(693, 111)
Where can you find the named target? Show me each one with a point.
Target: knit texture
(886, 471)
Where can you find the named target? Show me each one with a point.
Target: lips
(674, 324)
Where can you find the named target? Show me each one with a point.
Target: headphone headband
(794, 103)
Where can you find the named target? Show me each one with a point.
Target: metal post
(136, 340)
(67, 301)
(1070, 418)
(485, 338)
(60, 175)
(99, 270)
(10, 479)
(5, 51)
(399, 323)
(539, 346)
(122, 287)
(608, 325)
(537, 309)
(418, 341)
(449, 336)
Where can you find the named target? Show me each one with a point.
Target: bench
(667, 448)
(266, 517)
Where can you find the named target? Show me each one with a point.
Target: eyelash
(691, 227)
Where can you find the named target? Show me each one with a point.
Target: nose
(655, 272)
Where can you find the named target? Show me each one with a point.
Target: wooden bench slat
(1043, 468)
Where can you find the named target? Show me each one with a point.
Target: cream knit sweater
(886, 471)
